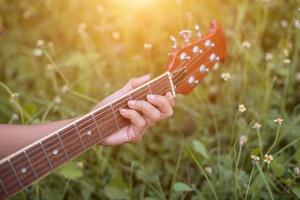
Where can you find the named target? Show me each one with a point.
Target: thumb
(136, 82)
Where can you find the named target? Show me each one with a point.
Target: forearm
(15, 137)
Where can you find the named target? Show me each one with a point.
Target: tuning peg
(197, 29)
(186, 35)
(174, 41)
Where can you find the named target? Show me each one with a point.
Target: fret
(105, 117)
(72, 141)
(23, 169)
(172, 84)
(15, 173)
(98, 130)
(140, 94)
(3, 191)
(54, 150)
(31, 166)
(116, 120)
(39, 159)
(87, 129)
(79, 136)
(63, 147)
(9, 179)
(149, 88)
(45, 152)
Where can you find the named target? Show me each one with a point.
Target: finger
(130, 85)
(135, 118)
(136, 82)
(162, 103)
(146, 108)
(135, 131)
(170, 98)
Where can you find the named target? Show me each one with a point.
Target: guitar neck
(30, 164)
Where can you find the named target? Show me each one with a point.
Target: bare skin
(141, 114)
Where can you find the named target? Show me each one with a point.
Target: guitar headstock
(190, 63)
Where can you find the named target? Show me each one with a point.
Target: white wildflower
(40, 43)
(286, 52)
(296, 171)
(243, 139)
(242, 108)
(14, 117)
(37, 52)
(57, 100)
(225, 76)
(246, 45)
(297, 76)
(80, 165)
(287, 61)
(148, 46)
(255, 158)
(268, 158)
(269, 56)
(208, 169)
(284, 23)
(278, 121)
(297, 24)
(64, 89)
(257, 126)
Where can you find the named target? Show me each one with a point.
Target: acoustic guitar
(187, 66)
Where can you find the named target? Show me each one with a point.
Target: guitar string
(71, 142)
(174, 81)
(62, 159)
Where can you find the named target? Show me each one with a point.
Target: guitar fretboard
(20, 170)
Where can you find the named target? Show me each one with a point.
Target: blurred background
(236, 136)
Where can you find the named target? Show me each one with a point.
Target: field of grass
(60, 57)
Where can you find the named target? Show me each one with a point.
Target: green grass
(91, 48)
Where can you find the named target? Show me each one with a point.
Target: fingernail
(150, 96)
(131, 103)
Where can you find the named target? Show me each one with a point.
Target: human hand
(142, 114)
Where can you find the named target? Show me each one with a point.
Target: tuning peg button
(197, 29)
(186, 35)
(184, 57)
(197, 50)
(174, 41)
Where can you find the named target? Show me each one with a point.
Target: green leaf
(114, 192)
(181, 187)
(70, 171)
(296, 191)
(200, 148)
